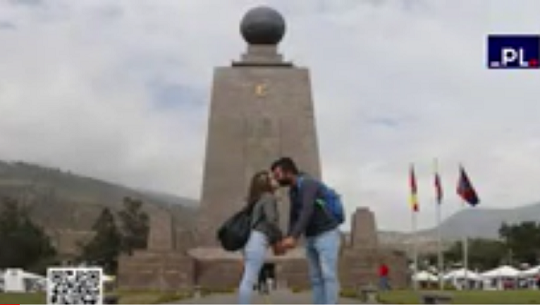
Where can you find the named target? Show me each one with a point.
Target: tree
(23, 243)
(483, 254)
(523, 241)
(134, 224)
(454, 253)
(104, 247)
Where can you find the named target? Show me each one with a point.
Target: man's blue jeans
(384, 283)
(322, 253)
(254, 256)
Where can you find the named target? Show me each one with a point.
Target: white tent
(461, 274)
(530, 272)
(502, 271)
(13, 280)
(28, 275)
(108, 278)
(424, 276)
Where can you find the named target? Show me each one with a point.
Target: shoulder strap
(256, 210)
(322, 187)
(299, 181)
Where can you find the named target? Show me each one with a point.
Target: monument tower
(261, 108)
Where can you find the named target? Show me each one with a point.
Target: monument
(163, 266)
(364, 230)
(261, 108)
(360, 260)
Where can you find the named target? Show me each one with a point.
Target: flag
(465, 188)
(414, 198)
(438, 187)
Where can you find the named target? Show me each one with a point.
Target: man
(384, 282)
(309, 218)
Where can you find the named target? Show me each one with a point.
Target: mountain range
(68, 204)
(478, 222)
(483, 222)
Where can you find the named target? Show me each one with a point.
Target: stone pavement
(275, 297)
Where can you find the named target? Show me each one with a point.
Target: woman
(265, 231)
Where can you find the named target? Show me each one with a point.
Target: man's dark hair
(286, 164)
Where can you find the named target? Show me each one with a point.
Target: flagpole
(465, 244)
(415, 249)
(414, 211)
(438, 203)
(440, 258)
(468, 198)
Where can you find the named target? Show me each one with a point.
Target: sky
(119, 90)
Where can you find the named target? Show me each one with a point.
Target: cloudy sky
(119, 90)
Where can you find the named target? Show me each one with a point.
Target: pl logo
(513, 51)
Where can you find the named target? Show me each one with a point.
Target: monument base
(219, 270)
(156, 270)
(212, 268)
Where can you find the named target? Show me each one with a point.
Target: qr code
(74, 286)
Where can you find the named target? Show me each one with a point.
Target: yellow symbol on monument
(261, 90)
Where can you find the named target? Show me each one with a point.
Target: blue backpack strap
(327, 201)
(322, 186)
(299, 181)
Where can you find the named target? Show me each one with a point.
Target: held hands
(278, 249)
(281, 247)
(288, 242)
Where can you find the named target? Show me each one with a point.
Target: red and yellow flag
(414, 198)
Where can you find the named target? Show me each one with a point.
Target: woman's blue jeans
(254, 256)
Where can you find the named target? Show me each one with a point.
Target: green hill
(67, 204)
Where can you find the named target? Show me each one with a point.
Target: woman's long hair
(260, 183)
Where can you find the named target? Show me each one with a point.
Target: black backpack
(234, 233)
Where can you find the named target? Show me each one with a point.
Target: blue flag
(466, 190)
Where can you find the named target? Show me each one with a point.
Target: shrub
(296, 289)
(348, 293)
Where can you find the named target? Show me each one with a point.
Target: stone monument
(361, 259)
(364, 229)
(261, 109)
(161, 266)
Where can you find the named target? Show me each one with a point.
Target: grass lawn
(467, 297)
(22, 298)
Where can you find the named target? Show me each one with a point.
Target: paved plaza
(275, 297)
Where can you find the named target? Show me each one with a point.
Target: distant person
(384, 281)
(271, 283)
(263, 280)
(265, 231)
(272, 277)
(314, 220)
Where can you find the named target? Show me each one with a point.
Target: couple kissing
(315, 211)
